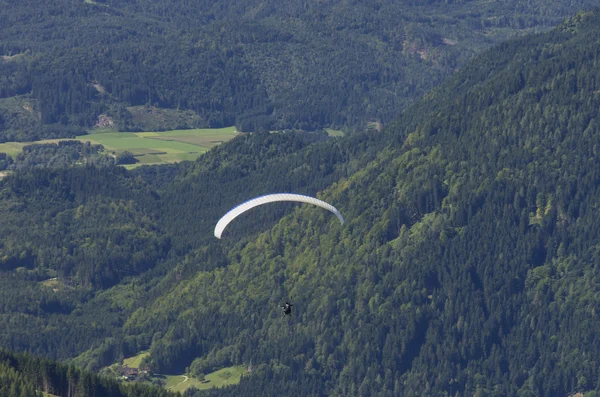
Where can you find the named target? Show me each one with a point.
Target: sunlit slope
(467, 261)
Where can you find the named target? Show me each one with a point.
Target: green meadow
(148, 147)
(332, 132)
(13, 148)
(135, 361)
(223, 377)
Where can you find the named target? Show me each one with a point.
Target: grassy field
(223, 377)
(12, 148)
(148, 147)
(135, 361)
(332, 132)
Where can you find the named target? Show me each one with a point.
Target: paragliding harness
(287, 309)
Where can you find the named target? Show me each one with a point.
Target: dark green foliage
(87, 223)
(61, 155)
(151, 118)
(5, 161)
(258, 65)
(125, 158)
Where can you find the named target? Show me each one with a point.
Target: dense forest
(262, 65)
(467, 264)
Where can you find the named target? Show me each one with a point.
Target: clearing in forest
(135, 361)
(223, 377)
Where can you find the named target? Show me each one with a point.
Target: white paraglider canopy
(271, 198)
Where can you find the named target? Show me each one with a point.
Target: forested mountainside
(467, 264)
(25, 376)
(256, 64)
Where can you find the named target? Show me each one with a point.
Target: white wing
(271, 198)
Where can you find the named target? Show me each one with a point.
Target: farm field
(148, 147)
(223, 377)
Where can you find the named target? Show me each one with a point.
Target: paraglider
(287, 309)
(271, 198)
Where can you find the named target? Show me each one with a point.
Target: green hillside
(467, 264)
(144, 65)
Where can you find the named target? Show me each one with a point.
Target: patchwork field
(148, 147)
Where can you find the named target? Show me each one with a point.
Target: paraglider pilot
(287, 309)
